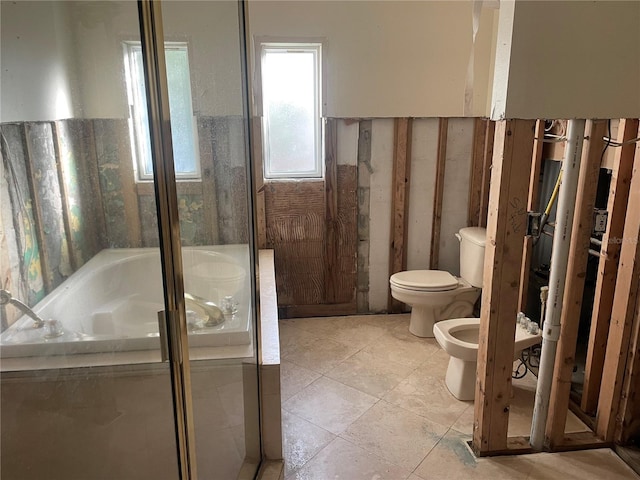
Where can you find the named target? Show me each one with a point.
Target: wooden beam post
(506, 227)
(486, 172)
(629, 412)
(532, 206)
(438, 194)
(400, 202)
(622, 312)
(477, 172)
(575, 277)
(608, 266)
(258, 183)
(331, 209)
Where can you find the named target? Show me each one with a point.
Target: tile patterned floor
(362, 398)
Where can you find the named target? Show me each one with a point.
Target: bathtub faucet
(213, 314)
(5, 297)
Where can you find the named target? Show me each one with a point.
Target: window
(183, 124)
(290, 77)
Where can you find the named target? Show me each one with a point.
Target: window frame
(136, 101)
(316, 46)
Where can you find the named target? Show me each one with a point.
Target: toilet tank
(472, 242)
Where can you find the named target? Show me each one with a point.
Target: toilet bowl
(436, 295)
(433, 295)
(459, 338)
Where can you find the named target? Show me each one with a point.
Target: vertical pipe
(152, 40)
(559, 260)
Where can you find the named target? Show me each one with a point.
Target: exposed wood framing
(580, 441)
(575, 278)
(555, 150)
(608, 265)
(331, 210)
(629, 411)
(506, 225)
(329, 310)
(622, 313)
(258, 182)
(438, 193)
(532, 206)
(486, 172)
(477, 171)
(400, 201)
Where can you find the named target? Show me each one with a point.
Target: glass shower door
(85, 388)
(84, 391)
(204, 57)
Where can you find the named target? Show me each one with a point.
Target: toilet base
(461, 378)
(421, 321)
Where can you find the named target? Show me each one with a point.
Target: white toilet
(436, 295)
(459, 338)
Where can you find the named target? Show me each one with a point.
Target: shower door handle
(164, 339)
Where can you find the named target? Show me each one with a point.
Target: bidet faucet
(5, 298)
(209, 309)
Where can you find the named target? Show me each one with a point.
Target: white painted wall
(210, 28)
(37, 80)
(568, 59)
(65, 59)
(389, 58)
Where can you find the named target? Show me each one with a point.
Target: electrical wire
(607, 141)
(614, 143)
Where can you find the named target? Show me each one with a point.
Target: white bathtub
(108, 310)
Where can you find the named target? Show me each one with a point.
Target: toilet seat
(425, 280)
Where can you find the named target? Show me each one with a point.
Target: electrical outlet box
(600, 221)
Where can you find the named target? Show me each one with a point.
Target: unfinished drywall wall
(567, 59)
(423, 167)
(455, 201)
(389, 59)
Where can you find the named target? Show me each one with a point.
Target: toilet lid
(426, 280)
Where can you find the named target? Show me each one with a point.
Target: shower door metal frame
(152, 39)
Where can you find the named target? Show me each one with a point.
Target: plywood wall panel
(347, 233)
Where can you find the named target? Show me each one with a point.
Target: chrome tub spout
(6, 298)
(210, 310)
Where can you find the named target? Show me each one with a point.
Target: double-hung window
(183, 124)
(291, 107)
